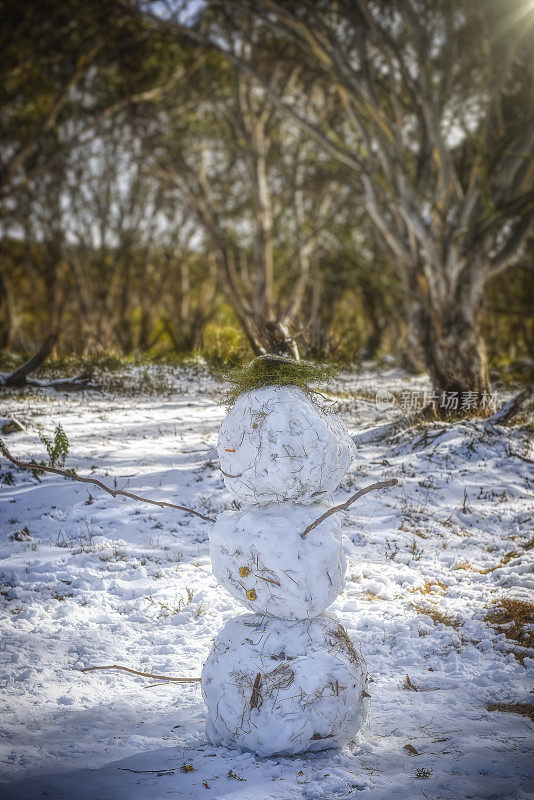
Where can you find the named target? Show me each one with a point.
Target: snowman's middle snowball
(258, 555)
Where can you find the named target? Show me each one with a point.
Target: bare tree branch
(113, 492)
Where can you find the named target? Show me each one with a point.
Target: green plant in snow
(423, 773)
(57, 448)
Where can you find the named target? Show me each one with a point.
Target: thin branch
(157, 772)
(113, 492)
(344, 506)
(227, 475)
(510, 409)
(144, 674)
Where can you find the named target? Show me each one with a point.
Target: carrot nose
(229, 451)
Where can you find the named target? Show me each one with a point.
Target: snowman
(285, 678)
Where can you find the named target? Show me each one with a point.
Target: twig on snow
(65, 473)
(226, 475)
(269, 580)
(144, 674)
(148, 771)
(344, 506)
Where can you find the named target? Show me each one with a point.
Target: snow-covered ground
(88, 580)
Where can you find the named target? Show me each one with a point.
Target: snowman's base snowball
(276, 444)
(259, 556)
(279, 687)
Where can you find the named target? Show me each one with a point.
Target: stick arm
(344, 506)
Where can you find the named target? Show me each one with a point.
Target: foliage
(271, 370)
(57, 448)
(198, 211)
(224, 346)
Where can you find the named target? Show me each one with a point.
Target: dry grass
(525, 709)
(430, 587)
(466, 565)
(343, 642)
(165, 610)
(502, 563)
(511, 616)
(437, 616)
(371, 597)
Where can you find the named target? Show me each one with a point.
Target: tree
(251, 178)
(57, 77)
(436, 125)
(66, 68)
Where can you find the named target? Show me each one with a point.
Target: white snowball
(275, 686)
(275, 444)
(258, 555)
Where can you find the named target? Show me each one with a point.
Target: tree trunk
(18, 377)
(143, 336)
(123, 326)
(7, 324)
(267, 336)
(273, 337)
(377, 324)
(411, 356)
(453, 353)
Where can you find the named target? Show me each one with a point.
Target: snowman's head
(276, 444)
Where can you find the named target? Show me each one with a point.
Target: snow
(259, 556)
(275, 686)
(276, 444)
(97, 581)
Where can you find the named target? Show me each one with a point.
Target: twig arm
(144, 674)
(344, 506)
(95, 482)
